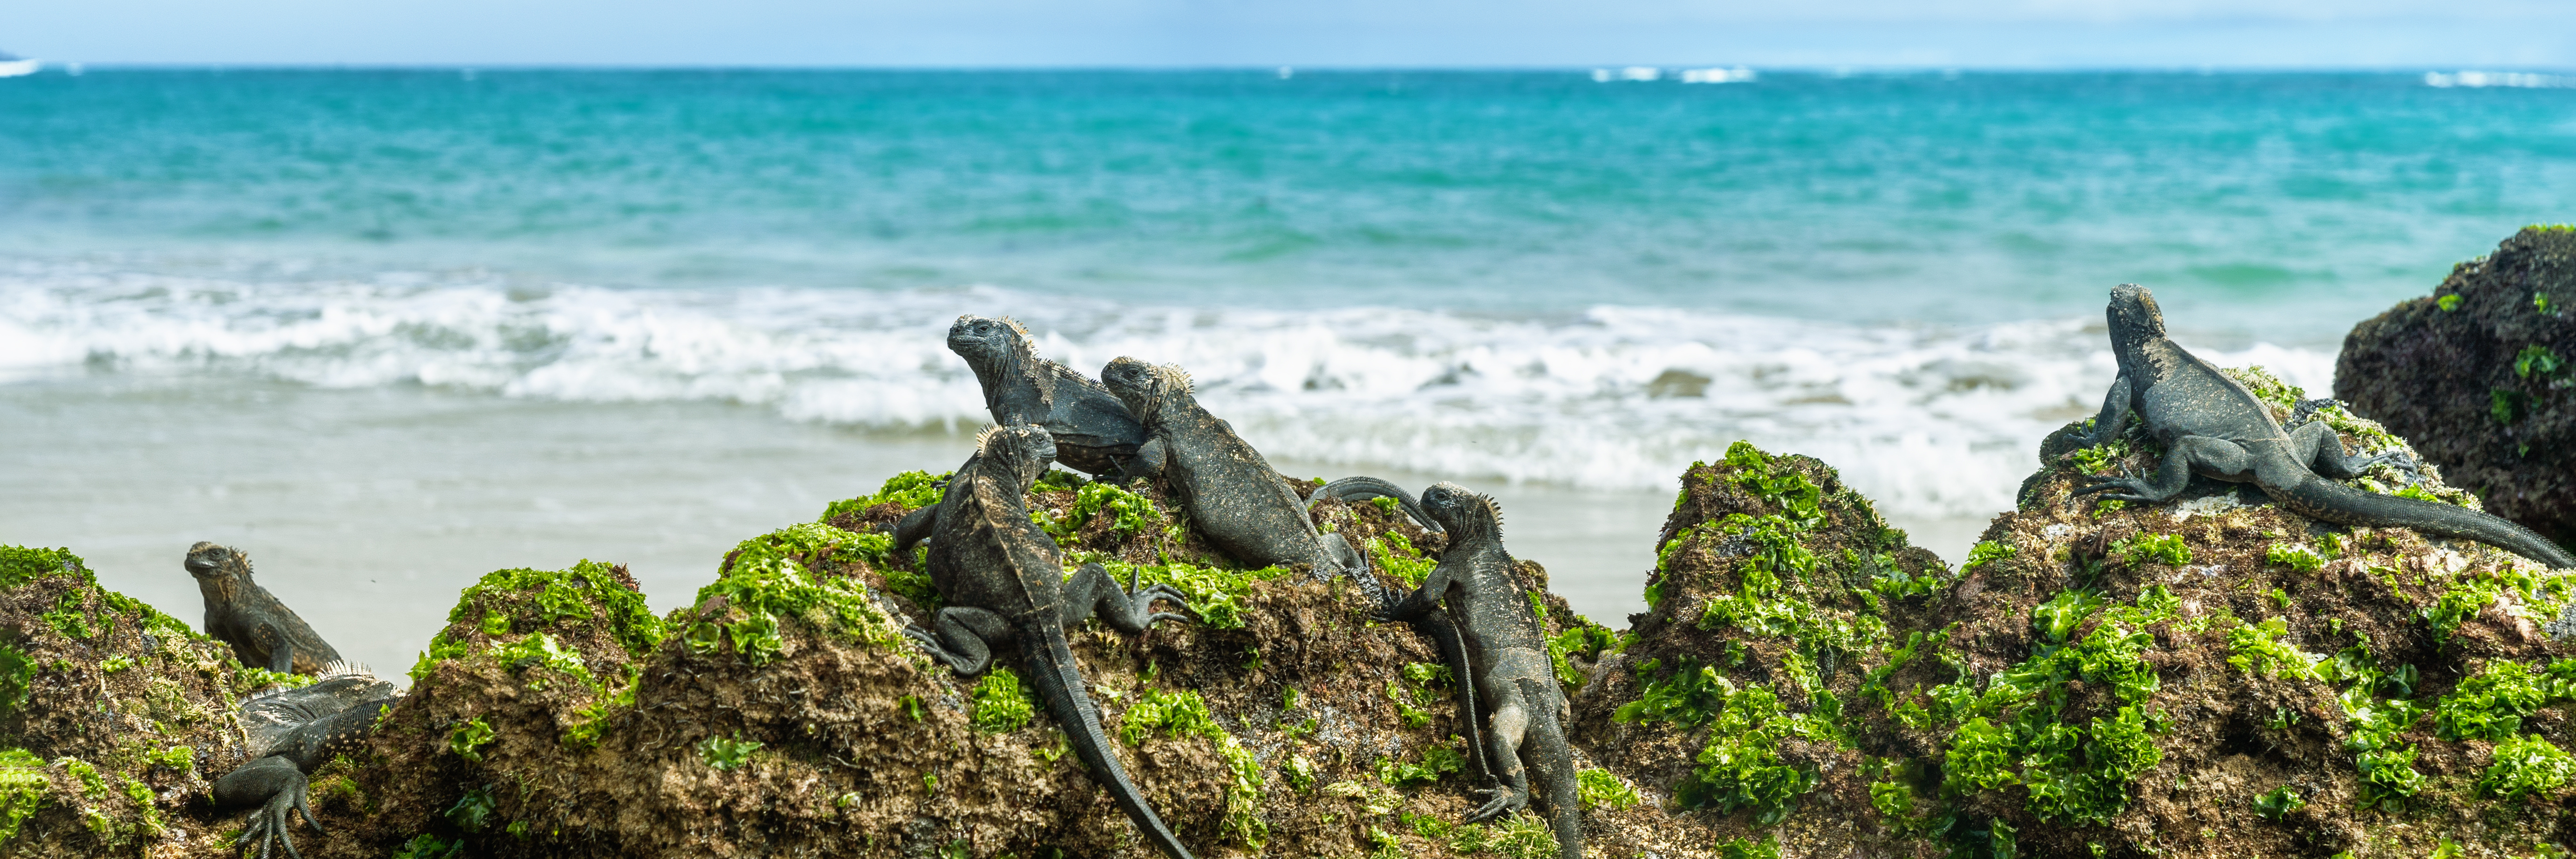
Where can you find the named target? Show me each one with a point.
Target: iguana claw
(271, 821)
(1505, 802)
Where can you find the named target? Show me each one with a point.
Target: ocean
(388, 330)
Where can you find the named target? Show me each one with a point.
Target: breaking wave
(1932, 421)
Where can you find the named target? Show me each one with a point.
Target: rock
(2210, 678)
(2482, 377)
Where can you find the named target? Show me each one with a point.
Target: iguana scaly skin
(1093, 431)
(264, 633)
(1004, 583)
(1244, 507)
(2213, 426)
(291, 732)
(1505, 667)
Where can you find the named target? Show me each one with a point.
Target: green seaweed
(912, 490)
(22, 789)
(1217, 594)
(2258, 648)
(2159, 548)
(469, 737)
(2279, 802)
(1186, 714)
(1599, 788)
(2448, 302)
(2070, 772)
(1130, 513)
(727, 753)
(2537, 359)
(2526, 766)
(2295, 557)
(2491, 704)
(506, 602)
(1001, 704)
(767, 580)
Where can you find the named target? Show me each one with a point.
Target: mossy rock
(114, 717)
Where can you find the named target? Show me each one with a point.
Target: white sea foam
(1931, 421)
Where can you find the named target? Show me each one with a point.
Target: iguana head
(2134, 317)
(988, 342)
(1143, 386)
(1463, 512)
(1022, 450)
(220, 567)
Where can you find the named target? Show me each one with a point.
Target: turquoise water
(2298, 202)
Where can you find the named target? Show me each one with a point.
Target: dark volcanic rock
(2479, 377)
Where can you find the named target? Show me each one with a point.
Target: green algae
(2156, 548)
(516, 601)
(469, 737)
(2279, 802)
(1436, 761)
(1001, 704)
(2448, 302)
(1216, 593)
(2526, 766)
(772, 577)
(1396, 555)
(2016, 732)
(911, 490)
(726, 753)
(1600, 788)
(1519, 836)
(1130, 514)
(22, 789)
(2259, 648)
(2491, 704)
(1186, 714)
(2537, 359)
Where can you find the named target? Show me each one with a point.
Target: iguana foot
(2132, 484)
(270, 822)
(930, 646)
(1506, 800)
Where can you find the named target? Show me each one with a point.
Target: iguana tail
(1552, 765)
(1059, 683)
(1356, 488)
(2319, 498)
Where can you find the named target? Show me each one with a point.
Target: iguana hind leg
(1093, 592)
(279, 789)
(2188, 454)
(1503, 733)
(965, 638)
(2317, 445)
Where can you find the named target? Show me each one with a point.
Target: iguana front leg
(1093, 592)
(2114, 417)
(965, 638)
(2321, 449)
(281, 649)
(1150, 458)
(2189, 453)
(915, 527)
(1337, 551)
(278, 788)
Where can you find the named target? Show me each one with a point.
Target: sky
(2499, 34)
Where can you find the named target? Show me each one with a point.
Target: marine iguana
(2211, 425)
(1245, 508)
(1505, 668)
(1093, 432)
(1004, 583)
(264, 633)
(293, 731)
